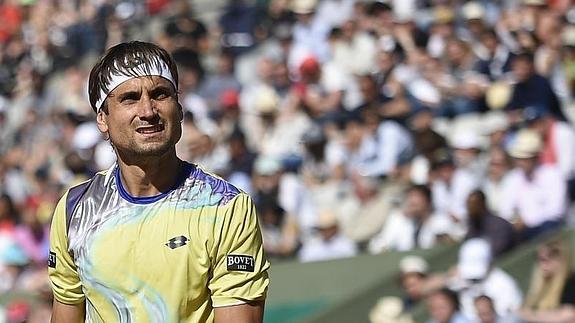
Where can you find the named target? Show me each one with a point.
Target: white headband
(160, 69)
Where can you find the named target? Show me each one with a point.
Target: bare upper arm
(245, 313)
(64, 313)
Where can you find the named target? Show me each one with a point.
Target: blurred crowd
(356, 126)
(477, 290)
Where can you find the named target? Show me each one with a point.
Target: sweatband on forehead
(121, 75)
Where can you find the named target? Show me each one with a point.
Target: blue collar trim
(187, 169)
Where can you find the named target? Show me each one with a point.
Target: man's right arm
(69, 299)
(64, 313)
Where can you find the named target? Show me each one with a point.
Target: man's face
(416, 205)
(412, 284)
(440, 308)
(527, 165)
(485, 311)
(523, 69)
(490, 43)
(143, 117)
(475, 206)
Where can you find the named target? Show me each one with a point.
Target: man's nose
(147, 108)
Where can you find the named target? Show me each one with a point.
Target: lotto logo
(177, 242)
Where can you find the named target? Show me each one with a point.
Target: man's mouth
(150, 129)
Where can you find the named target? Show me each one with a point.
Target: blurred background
(411, 160)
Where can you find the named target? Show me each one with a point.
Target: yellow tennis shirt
(167, 258)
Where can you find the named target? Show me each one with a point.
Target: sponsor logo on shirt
(52, 259)
(240, 263)
(177, 242)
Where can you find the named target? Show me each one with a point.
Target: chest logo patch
(177, 242)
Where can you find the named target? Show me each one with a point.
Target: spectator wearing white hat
(389, 310)
(329, 243)
(365, 209)
(275, 131)
(309, 33)
(558, 138)
(416, 280)
(534, 195)
(468, 152)
(476, 276)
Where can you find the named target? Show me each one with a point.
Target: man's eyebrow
(128, 95)
(163, 87)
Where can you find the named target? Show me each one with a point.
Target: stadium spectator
(450, 186)
(416, 281)
(534, 195)
(531, 89)
(550, 297)
(483, 224)
(329, 243)
(498, 166)
(443, 307)
(556, 137)
(476, 275)
(279, 230)
(416, 225)
(8, 214)
(389, 309)
(364, 211)
(486, 311)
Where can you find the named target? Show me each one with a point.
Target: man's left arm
(239, 280)
(252, 312)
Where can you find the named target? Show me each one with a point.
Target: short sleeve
(66, 284)
(239, 264)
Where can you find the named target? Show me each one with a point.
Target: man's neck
(152, 176)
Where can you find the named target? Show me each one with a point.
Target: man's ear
(102, 121)
(181, 111)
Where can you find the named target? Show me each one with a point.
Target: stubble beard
(139, 151)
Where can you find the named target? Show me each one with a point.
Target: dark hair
(524, 56)
(421, 189)
(450, 295)
(479, 193)
(489, 33)
(11, 208)
(485, 298)
(120, 60)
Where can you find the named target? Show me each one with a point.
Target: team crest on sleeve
(52, 259)
(177, 242)
(240, 263)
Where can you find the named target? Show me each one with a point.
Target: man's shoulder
(548, 171)
(214, 183)
(86, 181)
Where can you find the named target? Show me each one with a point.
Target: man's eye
(160, 95)
(128, 101)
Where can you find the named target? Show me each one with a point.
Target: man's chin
(150, 149)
